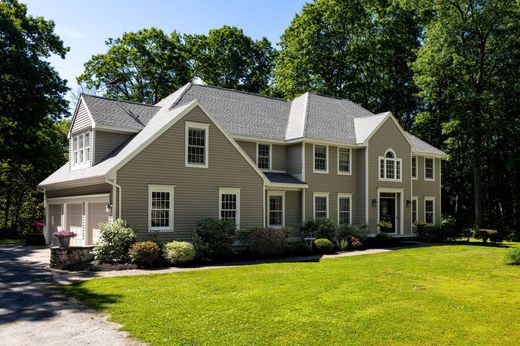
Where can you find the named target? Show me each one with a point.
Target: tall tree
(143, 66)
(228, 58)
(356, 49)
(464, 72)
(31, 99)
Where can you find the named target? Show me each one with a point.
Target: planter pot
(64, 242)
(34, 239)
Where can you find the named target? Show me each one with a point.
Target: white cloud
(63, 31)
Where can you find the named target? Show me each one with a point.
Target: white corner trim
(314, 170)
(161, 188)
(198, 126)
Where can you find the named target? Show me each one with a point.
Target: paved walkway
(32, 312)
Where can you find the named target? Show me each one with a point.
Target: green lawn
(10, 241)
(459, 294)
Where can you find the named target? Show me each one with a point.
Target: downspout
(119, 197)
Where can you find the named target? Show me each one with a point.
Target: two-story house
(261, 161)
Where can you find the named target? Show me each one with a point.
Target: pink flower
(38, 224)
(64, 234)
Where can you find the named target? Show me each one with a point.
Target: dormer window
(81, 149)
(390, 166)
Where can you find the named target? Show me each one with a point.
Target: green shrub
(319, 228)
(177, 252)
(265, 242)
(420, 224)
(212, 239)
(345, 232)
(343, 245)
(485, 234)
(297, 249)
(323, 246)
(513, 256)
(145, 253)
(114, 241)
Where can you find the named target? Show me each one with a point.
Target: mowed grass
(12, 240)
(459, 294)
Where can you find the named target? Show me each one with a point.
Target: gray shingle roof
(241, 113)
(423, 147)
(120, 114)
(283, 178)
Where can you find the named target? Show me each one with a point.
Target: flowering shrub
(64, 234)
(176, 252)
(115, 240)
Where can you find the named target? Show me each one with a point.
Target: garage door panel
(97, 215)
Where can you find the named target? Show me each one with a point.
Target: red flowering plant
(64, 234)
(37, 227)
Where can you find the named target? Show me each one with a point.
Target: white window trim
(85, 162)
(161, 188)
(416, 167)
(424, 210)
(433, 170)
(349, 172)
(416, 199)
(319, 194)
(395, 159)
(270, 156)
(229, 190)
(201, 126)
(275, 193)
(349, 196)
(326, 170)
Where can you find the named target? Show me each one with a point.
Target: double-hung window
(343, 161)
(414, 167)
(390, 166)
(414, 209)
(197, 144)
(229, 204)
(429, 169)
(160, 207)
(264, 156)
(321, 158)
(344, 208)
(321, 205)
(81, 149)
(276, 209)
(429, 210)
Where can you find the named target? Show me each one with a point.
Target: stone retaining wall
(61, 258)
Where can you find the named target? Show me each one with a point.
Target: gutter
(119, 198)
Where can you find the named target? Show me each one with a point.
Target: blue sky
(84, 26)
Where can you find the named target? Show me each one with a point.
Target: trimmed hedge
(145, 253)
(177, 252)
(265, 242)
(323, 246)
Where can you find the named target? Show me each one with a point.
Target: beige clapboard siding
(388, 136)
(82, 120)
(331, 182)
(425, 188)
(79, 191)
(278, 158)
(294, 160)
(359, 202)
(196, 193)
(106, 142)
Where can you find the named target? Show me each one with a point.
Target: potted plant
(35, 236)
(385, 226)
(420, 227)
(64, 237)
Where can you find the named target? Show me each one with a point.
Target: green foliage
(345, 232)
(31, 100)
(319, 228)
(145, 253)
(227, 58)
(513, 256)
(265, 242)
(385, 226)
(114, 242)
(143, 66)
(297, 249)
(485, 234)
(178, 252)
(213, 239)
(323, 246)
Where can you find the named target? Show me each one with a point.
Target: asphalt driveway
(33, 312)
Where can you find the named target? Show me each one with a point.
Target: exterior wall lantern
(108, 208)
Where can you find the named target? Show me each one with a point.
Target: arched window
(390, 166)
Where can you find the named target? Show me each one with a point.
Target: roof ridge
(185, 88)
(340, 99)
(118, 100)
(242, 92)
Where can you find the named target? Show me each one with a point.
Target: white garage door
(55, 211)
(97, 214)
(75, 223)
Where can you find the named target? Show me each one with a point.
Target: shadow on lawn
(26, 291)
